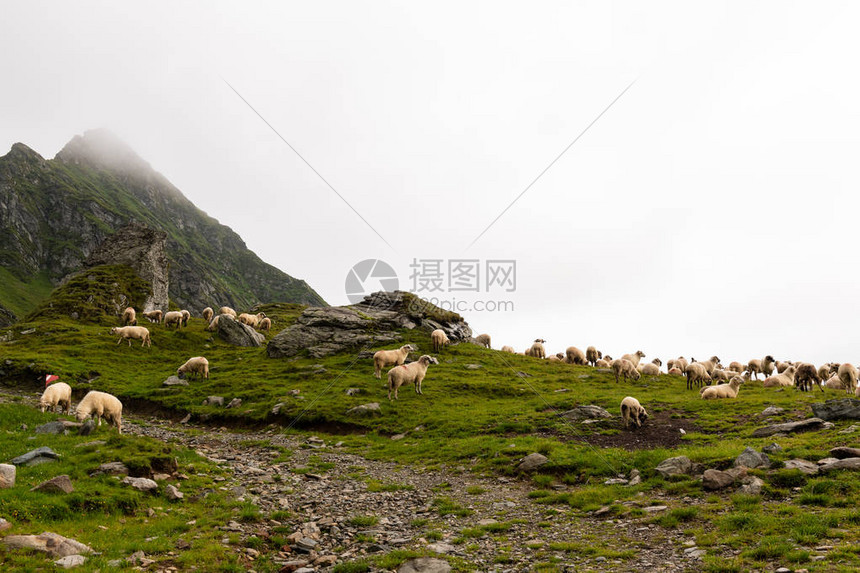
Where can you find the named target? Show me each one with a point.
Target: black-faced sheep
(804, 377)
(632, 411)
(729, 390)
(483, 340)
(57, 394)
(208, 313)
(154, 316)
(132, 332)
(185, 316)
(767, 365)
(592, 355)
(623, 367)
(129, 317)
(634, 358)
(557, 357)
(173, 317)
(100, 405)
(198, 366)
(405, 373)
(384, 358)
(439, 339)
(574, 355)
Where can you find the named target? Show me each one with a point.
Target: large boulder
(532, 462)
(36, 457)
(749, 458)
(376, 321)
(681, 465)
(238, 334)
(50, 543)
(837, 409)
(586, 412)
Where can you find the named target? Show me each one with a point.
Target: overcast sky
(710, 210)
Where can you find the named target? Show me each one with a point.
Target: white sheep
(650, 369)
(439, 339)
(728, 390)
(384, 358)
(413, 372)
(592, 355)
(227, 310)
(632, 410)
(132, 332)
(723, 375)
(782, 366)
(265, 324)
(557, 357)
(736, 367)
(574, 355)
(509, 349)
(756, 366)
(828, 369)
(100, 405)
(154, 316)
(57, 394)
(602, 363)
(805, 375)
(536, 350)
(768, 364)
(848, 374)
(634, 358)
(251, 320)
(784, 379)
(213, 324)
(696, 374)
(173, 317)
(196, 366)
(208, 313)
(483, 340)
(185, 316)
(623, 367)
(129, 317)
(675, 371)
(834, 382)
(710, 364)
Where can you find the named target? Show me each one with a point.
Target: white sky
(710, 210)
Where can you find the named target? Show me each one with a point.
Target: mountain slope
(54, 213)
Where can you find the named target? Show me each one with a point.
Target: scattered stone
(586, 412)
(70, 561)
(175, 381)
(772, 411)
(186, 419)
(602, 511)
(441, 548)
(750, 458)
(140, 484)
(616, 481)
(111, 469)
(472, 366)
(783, 570)
(843, 464)
(396, 437)
(172, 493)
(837, 409)
(4, 525)
(790, 427)
(353, 391)
(276, 409)
(713, 480)
(366, 410)
(214, 401)
(843, 452)
(531, 462)
(238, 334)
(654, 508)
(306, 544)
(36, 457)
(772, 448)
(50, 543)
(51, 428)
(635, 477)
(87, 428)
(425, 565)
(680, 465)
(751, 486)
(825, 461)
(7, 476)
(94, 443)
(850, 429)
(807, 467)
(59, 484)
(234, 403)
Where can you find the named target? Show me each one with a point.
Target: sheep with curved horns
(405, 373)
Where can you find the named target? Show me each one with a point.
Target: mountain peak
(19, 150)
(102, 148)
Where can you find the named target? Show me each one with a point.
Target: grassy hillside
(484, 419)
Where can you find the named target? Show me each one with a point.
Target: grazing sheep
(623, 367)
(805, 375)
(784, 379)
(675, 371)
(736, 367)
(537, 350)
(100, 405)
(782, 366)
(848, 374)
(723, 375)
(729, 390)
(154, 316)
(592, 355)
(213, 324)
(173, 317)
(413, 372)
(57, 394)
(129, 317)
(251, 320)
(185, 316)
(710, 364)
(632, 410)
(136, 332)
(509, 349)
(483, 340)
(439, 339)
(602, 363)
(557, 357)
(227, 310)
(696, 373)
(756, 366)
(265, 324)
(682, 363)
(767, 365)
(634, 358)
(574, 355)
(197, 366)
(834, 382)
(208, 313)
(650, 369)
(828, 369)
(384, 358)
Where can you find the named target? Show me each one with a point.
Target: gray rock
(790, 427)
(843, 464)
(655, 508)
(840, 453)
(37, 456)
(353, 391)
(713, 480)
(772, 411)
(234, 403)
(172, 493)
(586, 412)
(425, 565)
(616, 481)
(175, 381)
(473, 366)
(94, 443)
(214, 401)
(238, 334)
(140, 484)
(7, 476)
(635, 477)
(837, 409)
(51, 428)
(4, 525)
(70, 561)
(87, 428)
(276, 409)
(111, 469)
(50, 543)
(441, 548)
(59, 484)
(306, 544)
(772, 448)
(750, 458)
(804, 466)
(751, 486)
(365, 410)
(680, 465)
(532, 462)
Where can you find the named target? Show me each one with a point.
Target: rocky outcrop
(837, 409)
(376, 321)
(789, 428)
(142, 249)
(238, 334)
